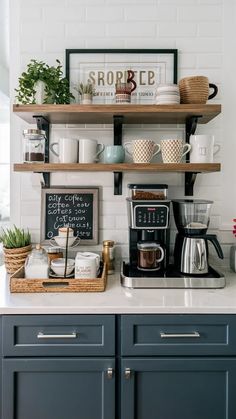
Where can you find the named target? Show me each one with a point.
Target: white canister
(86, 265)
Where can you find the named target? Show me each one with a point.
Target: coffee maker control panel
(151, 216)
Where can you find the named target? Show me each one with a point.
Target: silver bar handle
(179, 335)
(72, 335)
(110, 373)
(127, 373)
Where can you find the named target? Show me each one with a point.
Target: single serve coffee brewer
(148, 216)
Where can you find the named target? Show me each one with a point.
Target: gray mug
(113, 154)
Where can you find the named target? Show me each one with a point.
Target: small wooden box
(18, 283)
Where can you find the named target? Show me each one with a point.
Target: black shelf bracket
(118, 176)
(190, 177)
(43, 124)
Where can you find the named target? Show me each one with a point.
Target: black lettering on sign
(75, 208)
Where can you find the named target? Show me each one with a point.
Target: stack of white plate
(167, 94)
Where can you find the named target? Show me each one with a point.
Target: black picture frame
(161, 71)
(71, 214)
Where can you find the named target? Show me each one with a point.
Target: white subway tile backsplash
(192, 26)
(131, 29)
(177, 30)
(63, 14)
(210, 29)
(209, 60)
(199, 45)
(91, 30)
(104, 13)
(197, 13)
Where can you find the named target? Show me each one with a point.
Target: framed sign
(75, 207)
(104, 68)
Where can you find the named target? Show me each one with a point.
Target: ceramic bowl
(58, 266)
(61, 241)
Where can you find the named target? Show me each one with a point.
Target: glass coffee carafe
(150, 254)
(192, 216)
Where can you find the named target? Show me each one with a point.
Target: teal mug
(113, 154)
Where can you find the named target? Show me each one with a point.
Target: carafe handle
(213, 239)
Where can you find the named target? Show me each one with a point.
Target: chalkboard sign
(75, 208)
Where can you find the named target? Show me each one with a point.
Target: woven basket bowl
(194, 90)
(15, 258)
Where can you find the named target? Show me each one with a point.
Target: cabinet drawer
(57, 335)
(178, 335)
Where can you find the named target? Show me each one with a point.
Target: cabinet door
(58, 388)
(178, 388)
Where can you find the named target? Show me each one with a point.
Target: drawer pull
(109, 373)
(127, 373)
(179, 335)
(73, 335)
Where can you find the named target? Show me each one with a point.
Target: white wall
(42, 29)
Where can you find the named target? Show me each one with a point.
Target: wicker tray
(18, 283)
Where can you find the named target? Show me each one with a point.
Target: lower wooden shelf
(120, 167)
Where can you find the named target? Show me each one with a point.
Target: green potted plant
(86, 92)
(41, 83)
(16, 246)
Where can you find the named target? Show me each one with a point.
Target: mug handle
(126, 145)
(217, 146)
(100, 151)
(162, 254)
(188, 148)
(52, 149)
(158, 149)
(213, 86)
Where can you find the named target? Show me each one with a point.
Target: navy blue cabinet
(138, 367)
(178, 367)
(59, 388)
(178, 388)
(56, 366)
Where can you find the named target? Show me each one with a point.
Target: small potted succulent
(86, 92)
(16, 247)
(41, 83)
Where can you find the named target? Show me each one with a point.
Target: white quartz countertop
(118, 300)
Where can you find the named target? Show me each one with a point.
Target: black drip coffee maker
(148, 215)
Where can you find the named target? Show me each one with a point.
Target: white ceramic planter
(40, 94)
(86, 99)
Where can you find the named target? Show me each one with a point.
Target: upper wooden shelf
(120, 167)
(103, 114)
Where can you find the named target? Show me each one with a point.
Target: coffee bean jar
(34, 146)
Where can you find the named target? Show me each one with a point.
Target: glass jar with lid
(36, 264)
(34, 146)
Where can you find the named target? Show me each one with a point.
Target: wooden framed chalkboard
(74, 207)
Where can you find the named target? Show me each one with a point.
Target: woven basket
(194, 90)
(15, 258)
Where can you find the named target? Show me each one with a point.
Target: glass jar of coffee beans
(34, 146)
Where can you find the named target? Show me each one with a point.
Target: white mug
(67, 150)
(86, 265)
(203, 148)
(142, 150)
(173, 150)
(88, 150)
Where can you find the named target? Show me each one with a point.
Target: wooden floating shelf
(103, 114)
(121, 167)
